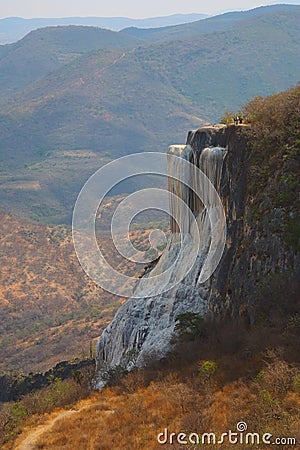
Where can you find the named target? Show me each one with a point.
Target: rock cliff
(255, 249)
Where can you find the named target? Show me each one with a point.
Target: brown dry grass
(49, 309)
(130, 415)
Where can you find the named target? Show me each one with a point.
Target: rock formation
(143, 327)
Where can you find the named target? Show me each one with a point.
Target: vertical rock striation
(143, 327)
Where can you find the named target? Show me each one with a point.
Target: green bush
(190, 324)
(207, 369)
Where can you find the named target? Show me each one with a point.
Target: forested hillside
(94, 92)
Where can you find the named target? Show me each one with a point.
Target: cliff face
(257, 257)
(255, 249)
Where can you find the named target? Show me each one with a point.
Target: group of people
(237, 120)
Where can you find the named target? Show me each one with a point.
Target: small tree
(190, 324)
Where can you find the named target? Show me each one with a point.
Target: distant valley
(86, 91)
(49, 309)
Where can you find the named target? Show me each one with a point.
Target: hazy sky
(128, 8)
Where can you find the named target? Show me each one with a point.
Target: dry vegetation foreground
(197, 399)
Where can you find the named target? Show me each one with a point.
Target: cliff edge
(256, 251)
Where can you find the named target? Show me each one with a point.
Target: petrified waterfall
(201, 196)
(210, 161)
(144, 326)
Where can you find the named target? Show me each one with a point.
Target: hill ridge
(110, 102)
(10, 34)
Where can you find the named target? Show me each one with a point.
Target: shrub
(277, 377)
(296, 383)
(207, 369)
(112, 376)
(190, 324)
(227, 118)
(274, 119)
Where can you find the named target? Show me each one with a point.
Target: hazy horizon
(131, 9)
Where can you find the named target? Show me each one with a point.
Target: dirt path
(29, 442)
(31, 437)
(115, 61)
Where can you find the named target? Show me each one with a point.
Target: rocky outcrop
(143, 327)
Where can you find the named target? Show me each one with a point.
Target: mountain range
(89, 91)
(14, 28)
(72, 98)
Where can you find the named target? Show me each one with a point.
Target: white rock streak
(143, 327)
